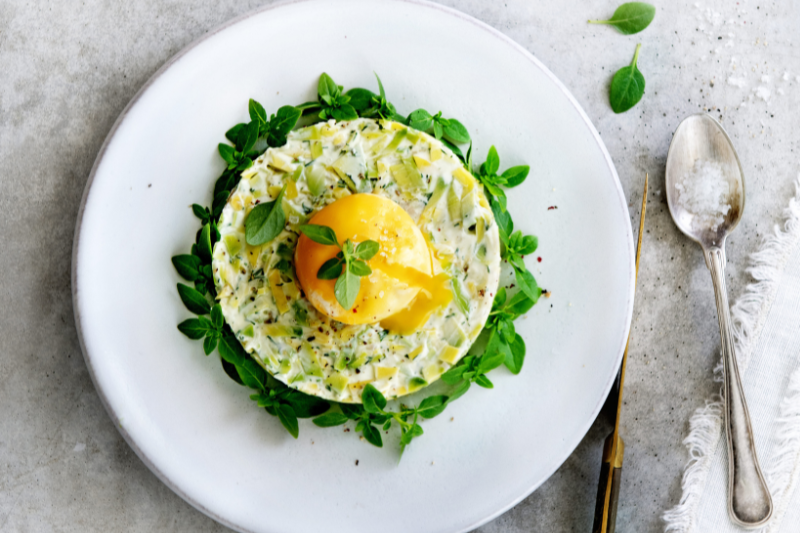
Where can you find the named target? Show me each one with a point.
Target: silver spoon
(700, 137)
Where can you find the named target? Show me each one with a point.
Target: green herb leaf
(233, 134)
(327, 88)
(204, 243)
(281, 124)
(304, 405)
(252, 136)
(330, 420)
(360, 99)
(372, 399)
(367, 250)
(227, 152)
(454, 375)
(459, 391)
(527, 284)
(519, 304)
(372, 435)
(209, 344)
(420, 120)
(630, 18)
(193, 328)
(188, 266)
(359, 268)
(456, 131)
(288, 419)
(438, 130)
(231, 371)
(515, 175)
(330, 269)
(193, 300)
(627, 86)
(492, 164)
(495, 354)
(484, 382)
(516, 355)
(432, 406)
(346, 289)
(319, 234)
(257, 112)
(265, 221)
(216, 317)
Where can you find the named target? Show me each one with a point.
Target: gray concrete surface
(67, 69)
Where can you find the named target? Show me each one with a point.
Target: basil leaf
(380, 86)
(281, 124)
(503, 218)
(630, 18)
(288, 419)
(227, 152)
(319, 234)
(188, 266)
(257, 112)
(233, 134)
(360, 99)
(495, 354)
(346, 289)
(308, 106)
(527, 284)
(209, 344)
(306, 406)
(519, 304)
(367, 250)
(344, 112)
(193, 328)
(330, 269)
(216, 316)
(528, 245)
(193, 300)
(231, 371)
(453, 376)
(438, 130)
(244, 163)
(199, 211)
(330, 420)
(231, 351)
(456, 131)
(484, 382)
(204, 243)
(252, 137)
(492, 164)
(515, 175)
(372, 435)
(420, 120)
(499, 298)
(359, 268)
(627, 86)
(459, 391)
(372, 399)
(516, 356)
(432, 406)
(351, 411)
(252, 374)
(265, 221)
(327, 88)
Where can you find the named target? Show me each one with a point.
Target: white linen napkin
(767, 334)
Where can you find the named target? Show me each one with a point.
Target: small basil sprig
(332, 102)
(627, 86)
(277, 127)
(503, 337)
(238, 157)
(630, 18)
(200, 327)
(487, 175)
(368, 104)
(265, 221)
(442, 127)
(347, 267)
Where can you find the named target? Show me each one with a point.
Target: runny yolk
(401, 293)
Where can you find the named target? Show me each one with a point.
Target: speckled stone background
(67, 69)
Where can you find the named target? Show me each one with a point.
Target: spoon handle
(749, 500)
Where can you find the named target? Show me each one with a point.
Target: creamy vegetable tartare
(357, 259)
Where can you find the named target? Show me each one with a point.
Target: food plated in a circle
(356, 259)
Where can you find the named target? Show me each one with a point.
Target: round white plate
(198, 430)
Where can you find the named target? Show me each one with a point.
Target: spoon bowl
(701, 138)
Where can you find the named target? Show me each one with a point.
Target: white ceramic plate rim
(174, 59)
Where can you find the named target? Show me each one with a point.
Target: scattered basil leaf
(265, 221)
(192, 328)
(330, 269)
(193, 300)
(359, 268)
(319, 234)
(288, 419)
(627, 86)
(346, 289)
(366, 250)
(330, 420)
(456, 131)
(372, 399)
(630, 18)
(188, 266)
(372, 435)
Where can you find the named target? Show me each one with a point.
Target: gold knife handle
(605, 511)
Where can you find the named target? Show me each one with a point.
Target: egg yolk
(401, 292)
